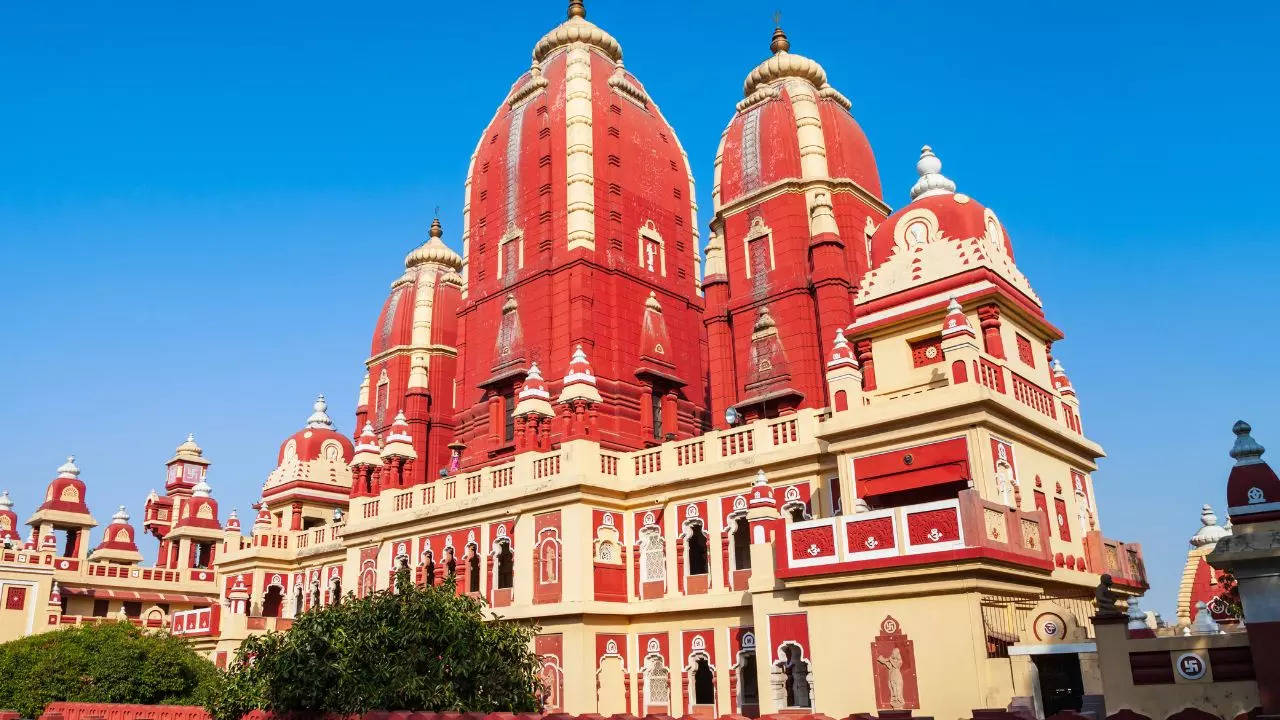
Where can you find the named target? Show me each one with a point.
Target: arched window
(657, 682)
(272, 600)
(748, 690)
(549, 561)
(704, 683)
(696, 548)
(473, 569)
(741, 539)
(506, 565)
(792, 671)
(653, 557)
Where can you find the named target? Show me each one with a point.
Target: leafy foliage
(113, 662)
(418, 648)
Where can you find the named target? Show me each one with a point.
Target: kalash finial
(780, 43)
(1246, 450)
(436, 230)
(577, 9)
(932, 181)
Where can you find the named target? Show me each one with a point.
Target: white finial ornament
(6, 502)
(69, 468)
(1210, 532)
(201, 489)
(932, 181)
(320, 418)
(761, 479)
(121, 516)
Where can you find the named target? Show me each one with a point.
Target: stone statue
(1106, 597)
(893, 664)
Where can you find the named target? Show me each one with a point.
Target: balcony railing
(842, 543)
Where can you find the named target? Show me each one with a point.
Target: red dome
(952, 216)
(66, 491)
(763, 143)
(119, 535)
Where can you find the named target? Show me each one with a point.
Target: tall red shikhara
(796, 191)
(580, 232)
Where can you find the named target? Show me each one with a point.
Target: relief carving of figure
(893, 664)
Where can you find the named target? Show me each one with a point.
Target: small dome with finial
(320, 418)
(784, 64)
(1210, 531)
(434, 251)
(577, 29)
(932, 181)
(189, 446)
(121, 515)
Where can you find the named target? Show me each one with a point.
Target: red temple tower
(579, 231)
(411, 368)
(796, 189)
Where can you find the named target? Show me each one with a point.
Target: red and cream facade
(831, 463)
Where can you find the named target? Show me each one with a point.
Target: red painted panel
(915, 467)
(933, 526)
(1064, 523)
(791, 627)
(873, 534)
(813, 543)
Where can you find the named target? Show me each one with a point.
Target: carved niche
(893, 661)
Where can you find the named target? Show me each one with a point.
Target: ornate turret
(533, 397)
(312, 473)
(64, 509)
(119, 544)
(8, 520)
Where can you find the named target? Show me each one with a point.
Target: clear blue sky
(202, 206)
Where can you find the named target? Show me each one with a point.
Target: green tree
(111, 662)
(418, 648)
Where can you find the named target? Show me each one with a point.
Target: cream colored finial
(932, 181)
(577, 9)
(435, 231)
(780, 43)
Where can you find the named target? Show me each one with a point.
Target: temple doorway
(1061, 685)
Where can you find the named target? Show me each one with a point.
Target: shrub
(112, 662)
(418, 648)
